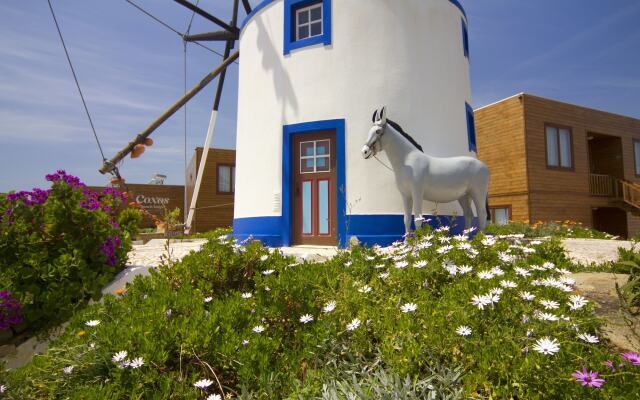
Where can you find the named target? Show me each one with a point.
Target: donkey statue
(419, 176)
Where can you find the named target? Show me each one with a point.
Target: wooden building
(553, 161)
(215, 201)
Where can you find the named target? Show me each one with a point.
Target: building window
(226, 178)
(636, 153)
(465, 39)
(315, 156)
(307, 22)
(500, 215)
(471, 128)
(559, 147)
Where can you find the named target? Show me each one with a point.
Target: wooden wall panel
(501, 145)
(214, 210)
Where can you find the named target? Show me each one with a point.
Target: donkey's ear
(375, 116)
(383, 115)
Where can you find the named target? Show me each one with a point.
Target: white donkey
(419, 176)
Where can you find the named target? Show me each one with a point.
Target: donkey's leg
(480, 199)
(406, 200)
(417, 194)
(465, 203)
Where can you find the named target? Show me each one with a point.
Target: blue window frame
(306, 23)
(465, 39)
(471, 128)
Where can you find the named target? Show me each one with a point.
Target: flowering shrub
(451, 317)
(9, 311)
(60, 246)
(560, 229)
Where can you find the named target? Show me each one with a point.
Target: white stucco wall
(407, 55)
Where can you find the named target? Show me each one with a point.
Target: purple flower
(609, 364)
(90, 204)
(9, 311)
(70, 180)
(109, 247)
(633, 358)
(589, 379)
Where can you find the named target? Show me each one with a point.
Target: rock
(8, 350)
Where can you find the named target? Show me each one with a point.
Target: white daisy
(246, 295)
(550, 304)
(461, 238)
(214, 397)
(524, 295)
(480, 301)
(548, 265)
(463, 330)
(444, 239)
(365, 289)
(589, 338)
(545, 316)
(3, 388)
(452, 269)
(576, 302)
(305, 319)
(409, 307)
(208, 299)
(353, 325)
(136, 363)
(497, 271)
(522, 272)
(369, 258)
(264, 258)
(268, 272)
(488, 241)
(444, 249)
(424, 245)
(93, 322)
(464, 269)
(443, 228)
(547, 346)
(420, 264)
(568, 281)
(380, 266)
(245, 343)
(119, 356)
(401, 264)
(68, 370)
(384, 275)
(258, 329)
(496, 291)
(330, 306)
(470, 230)
(563, 271)
(464, 246)
(535, 242)
(508, 284)
(348, 263)
(203, 383)
(485, 275)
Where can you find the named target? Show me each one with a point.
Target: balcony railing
(604, 185)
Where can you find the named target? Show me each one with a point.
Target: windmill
(229, 33)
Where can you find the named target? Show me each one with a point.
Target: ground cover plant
(559, 229)
(58, 248)
(436, 317)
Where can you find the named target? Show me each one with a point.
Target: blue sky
(130, 68)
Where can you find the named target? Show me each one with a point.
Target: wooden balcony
(604, 186)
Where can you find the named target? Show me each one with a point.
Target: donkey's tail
(488, 209)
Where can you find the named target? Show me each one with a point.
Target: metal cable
(173, 29)
(75, 78)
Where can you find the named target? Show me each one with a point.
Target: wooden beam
(206, 15)
(108, 166)
(247, 6)
(211, 36)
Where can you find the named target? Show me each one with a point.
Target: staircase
(623, 194)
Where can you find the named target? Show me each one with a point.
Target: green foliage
(559, 229)
(58, 248)
(199, 319)
(629, 263)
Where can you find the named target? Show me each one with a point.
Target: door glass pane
(224, 178)
(316, 29)
(565, 148)
(322, 164)
(552, 146)
(501, 216)
(233, 179)
(306, 207)
(306, 165)
(306, 149)
(322, 147)
(323, 207)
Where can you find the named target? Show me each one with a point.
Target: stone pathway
(589, 251)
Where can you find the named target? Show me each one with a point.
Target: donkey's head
(372, 145)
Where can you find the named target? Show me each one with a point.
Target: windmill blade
(208, 16)
(229, 46)
(109, 165)
(247, 6)
(211, 36)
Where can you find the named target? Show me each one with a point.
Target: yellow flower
(119, 292)
(81, 333)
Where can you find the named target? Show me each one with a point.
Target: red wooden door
(314, 189)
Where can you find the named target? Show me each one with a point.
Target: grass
(199, 319)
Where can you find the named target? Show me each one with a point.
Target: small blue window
(306, 22)
(471, 128)
(465, 39)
